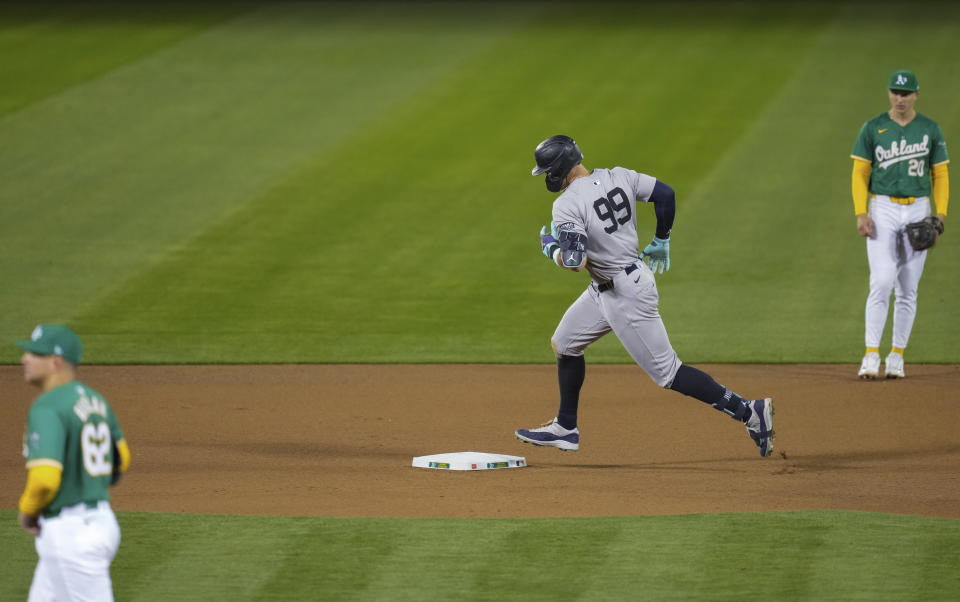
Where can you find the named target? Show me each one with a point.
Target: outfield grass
(349, 182)
(767, 556)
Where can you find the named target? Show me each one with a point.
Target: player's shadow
(790, 463)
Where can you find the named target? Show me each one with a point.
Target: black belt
(605, 286)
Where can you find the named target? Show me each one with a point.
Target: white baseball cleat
(870, 366)
(893, 366)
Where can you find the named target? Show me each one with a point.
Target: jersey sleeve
(565, 214)
(939, 154)
(861, 148)
(45, 438)
(639, 183)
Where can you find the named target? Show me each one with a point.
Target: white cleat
(893, 366)
(870, 366)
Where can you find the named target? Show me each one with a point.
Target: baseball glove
(921, 234)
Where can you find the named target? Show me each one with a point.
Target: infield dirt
(338, 440)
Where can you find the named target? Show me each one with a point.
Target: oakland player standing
(71, 438)
(894, 157)
(594, 227)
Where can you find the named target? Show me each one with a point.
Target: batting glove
(548, 242)
(657, 255)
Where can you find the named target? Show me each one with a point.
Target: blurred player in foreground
(74, 450)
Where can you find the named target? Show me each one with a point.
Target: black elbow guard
(573, 249)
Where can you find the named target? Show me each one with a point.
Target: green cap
(904, 80)
(53, 339)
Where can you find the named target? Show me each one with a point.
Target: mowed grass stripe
(846, 567)
(235, 561)
(759, 556)
(59, 44)
(414, 239)
(545, 560)
(150, 154)
(219, 546)
(368, 551)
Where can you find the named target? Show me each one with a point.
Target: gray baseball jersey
(603, 207)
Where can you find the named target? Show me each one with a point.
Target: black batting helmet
(556, 156)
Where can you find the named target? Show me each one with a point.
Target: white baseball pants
(76, 548)
(894, 267)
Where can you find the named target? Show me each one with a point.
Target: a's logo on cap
(37, 333)
(901, 80)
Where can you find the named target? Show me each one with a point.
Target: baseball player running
(594, 227)
(71, 446)
(894, 157)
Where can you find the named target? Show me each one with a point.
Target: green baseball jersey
(901, 156)
(74, 428)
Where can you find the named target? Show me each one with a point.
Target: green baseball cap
(53, 339)
(904, 80)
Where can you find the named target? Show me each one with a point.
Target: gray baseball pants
(630, 309)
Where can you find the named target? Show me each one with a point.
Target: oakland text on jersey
(901, 151)
(87, 405)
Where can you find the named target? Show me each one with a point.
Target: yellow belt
(901, 200)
